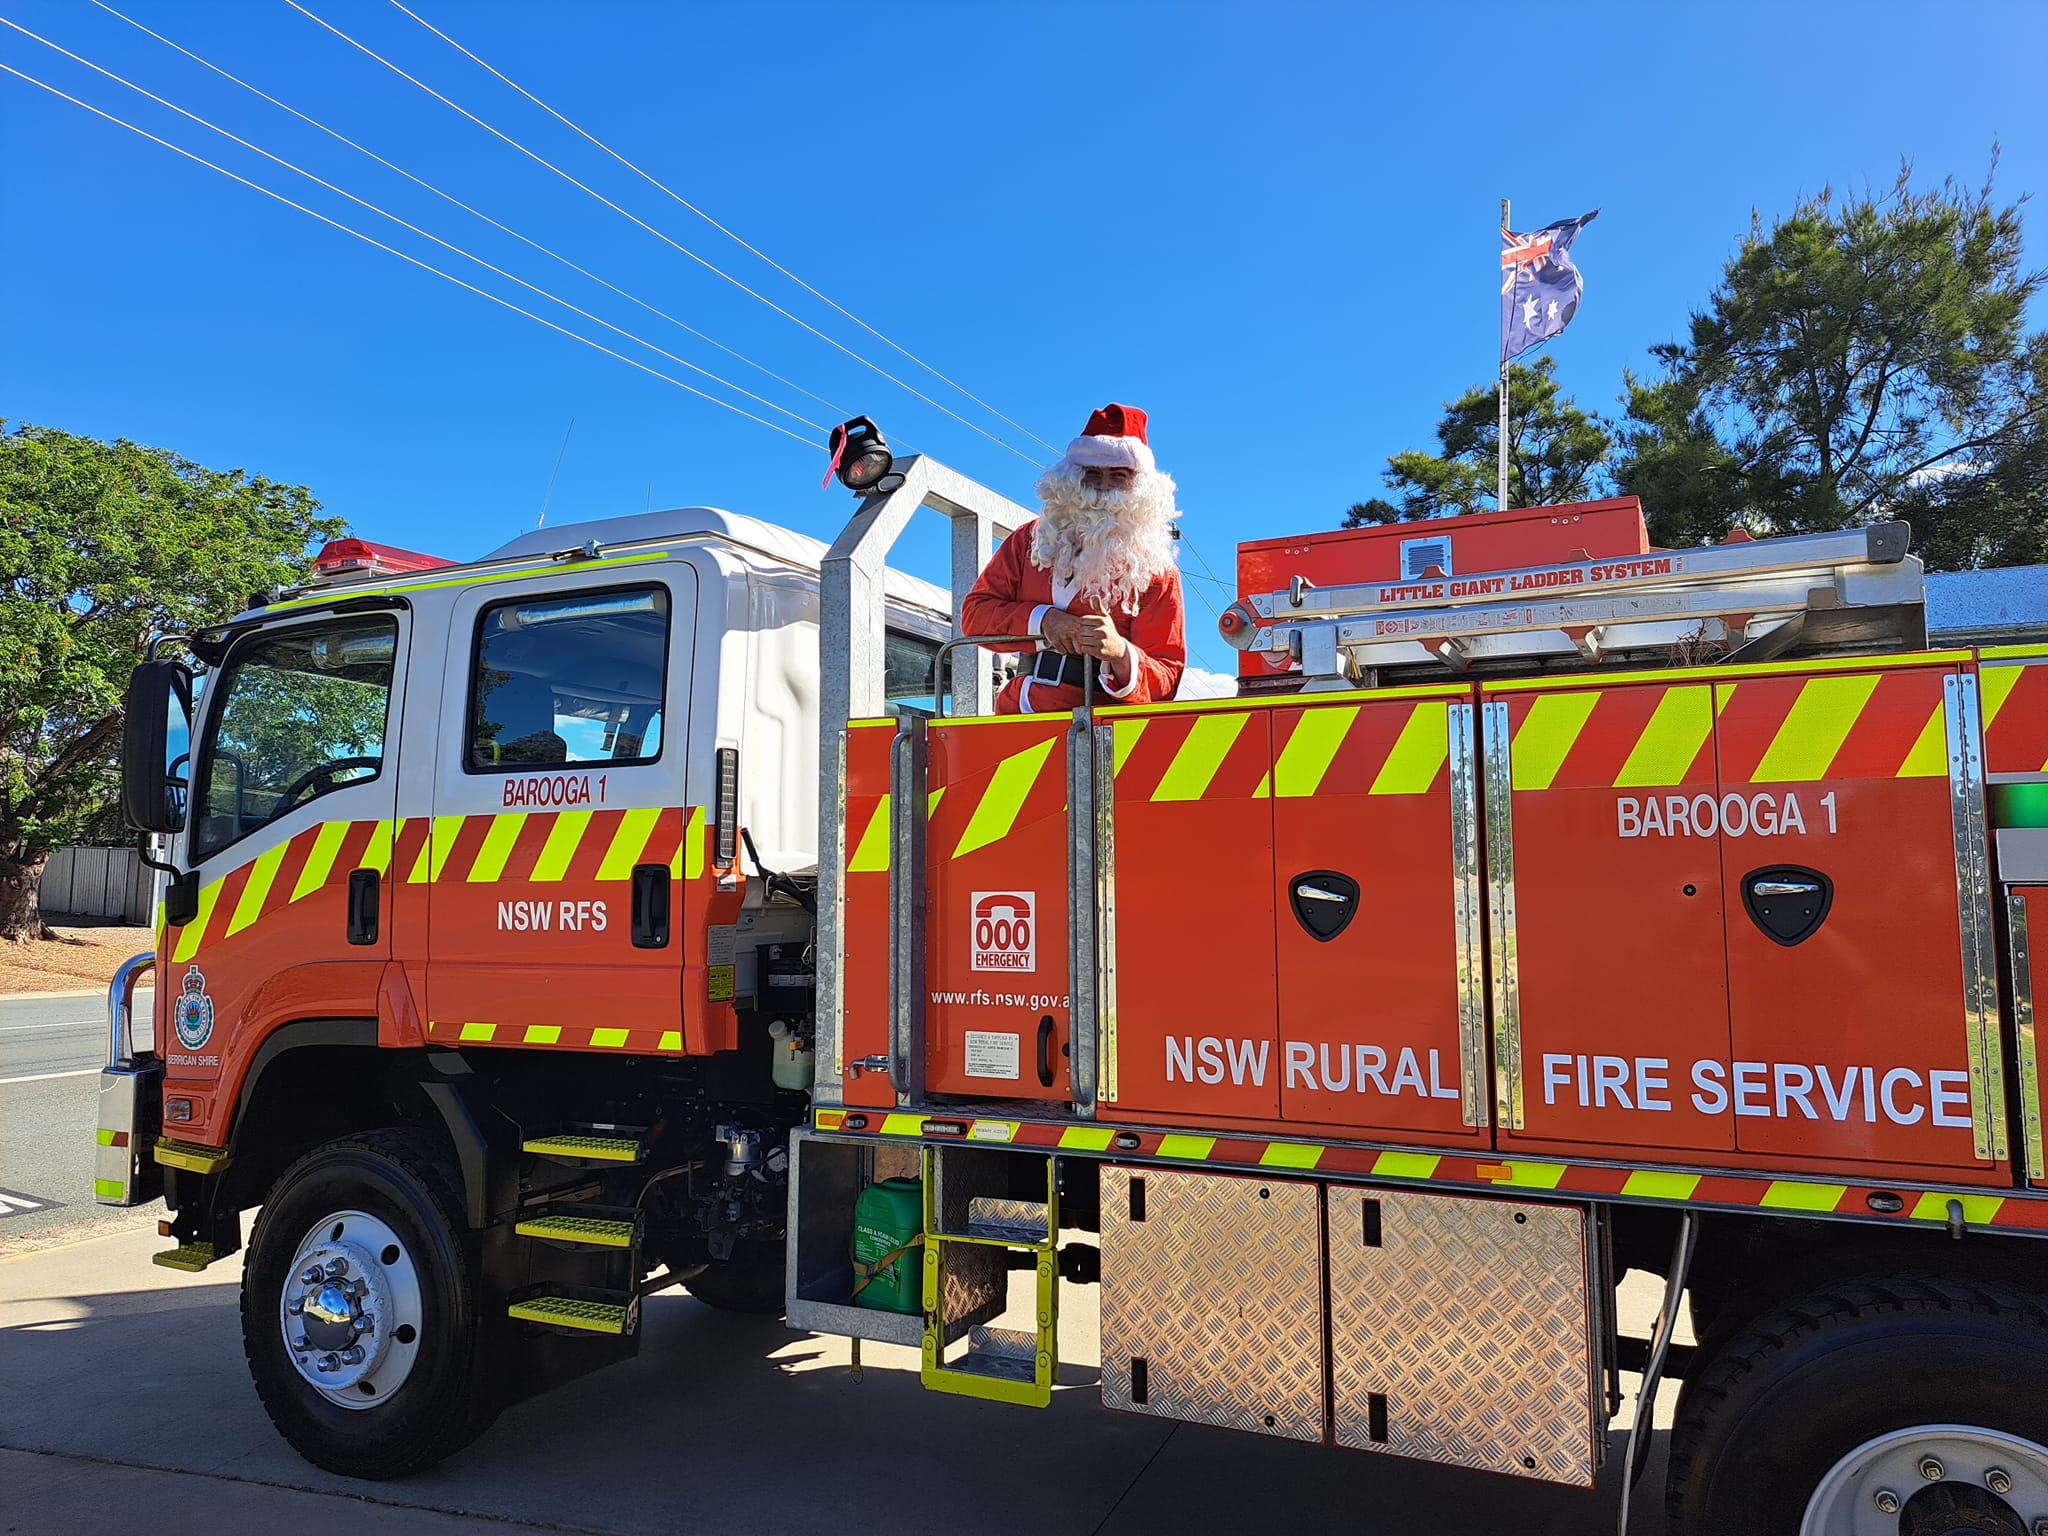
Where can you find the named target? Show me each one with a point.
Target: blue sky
(1272, 226)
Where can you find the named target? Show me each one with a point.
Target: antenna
(557, 471)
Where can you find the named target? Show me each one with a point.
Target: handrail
(121, 1007)
(1090, 667)
(939, 660)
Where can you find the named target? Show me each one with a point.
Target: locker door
(996, 1020)
(1380, 1017)
(1608, 957)
(1196, 1022)
(1848, 991)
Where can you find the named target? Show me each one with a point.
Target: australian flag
(1539, 286)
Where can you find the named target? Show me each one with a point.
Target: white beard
(1110, 545)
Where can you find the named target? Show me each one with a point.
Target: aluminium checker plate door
(560, 813)
(290, 831)
(1381, 1016)
(1849, 1009)
(1608, 960)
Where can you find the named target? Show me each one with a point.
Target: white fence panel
(98, 882)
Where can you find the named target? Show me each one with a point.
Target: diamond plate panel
(1470, 1319)
(1219, 1290)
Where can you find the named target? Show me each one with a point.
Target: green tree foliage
(1556, 452)
(102, 545)
(1863, 356)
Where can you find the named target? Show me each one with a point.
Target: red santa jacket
(1009, 597)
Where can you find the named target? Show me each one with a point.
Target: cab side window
(302, 713)
(569, 678)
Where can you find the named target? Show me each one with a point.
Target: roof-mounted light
(861, 457)
(343, 560)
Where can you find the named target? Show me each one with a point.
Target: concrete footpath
(125, 1406)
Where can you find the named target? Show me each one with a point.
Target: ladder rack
(1854, 590)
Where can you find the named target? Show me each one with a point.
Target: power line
(745, 245)
(474, 212)
(665, 239)
(401, 223)
(597, 346)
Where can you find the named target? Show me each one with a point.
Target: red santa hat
(1114, 436)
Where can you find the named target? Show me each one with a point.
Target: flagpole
(1501, 501)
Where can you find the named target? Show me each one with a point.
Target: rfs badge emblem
(193, 1012)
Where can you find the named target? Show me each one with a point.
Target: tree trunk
(21, 916)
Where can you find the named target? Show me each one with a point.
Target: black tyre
(359, 1308)
(1912, 1405)
(740, 1285)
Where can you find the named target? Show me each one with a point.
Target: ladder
(1746, 599)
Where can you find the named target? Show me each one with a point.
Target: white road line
(10, 1029)
(44, 1077)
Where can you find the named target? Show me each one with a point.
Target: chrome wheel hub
(1931, 1479)
(351, 1310)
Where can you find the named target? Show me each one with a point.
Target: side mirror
(156, 747)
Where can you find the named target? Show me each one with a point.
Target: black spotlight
(860, 457)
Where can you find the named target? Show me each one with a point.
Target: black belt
(1058, 667)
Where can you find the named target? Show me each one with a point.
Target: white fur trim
(1038, 621)
(1131, 654)
(1111, 452)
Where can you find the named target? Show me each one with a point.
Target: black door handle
(650, 906)
(1045, 1028)
(362, 906)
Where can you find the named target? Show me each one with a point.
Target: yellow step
(190, 1156)
(190, 1257)
(585, 1149)
(588, 1230)
(569, 1312)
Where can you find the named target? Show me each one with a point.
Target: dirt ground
(84, 954)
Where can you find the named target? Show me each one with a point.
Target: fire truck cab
(657, 902)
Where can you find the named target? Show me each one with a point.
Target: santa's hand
(1062, 631)
(1098, 637)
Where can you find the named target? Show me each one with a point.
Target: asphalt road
(125, 1406)
(52, 1047)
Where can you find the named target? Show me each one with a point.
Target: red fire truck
(635, 906)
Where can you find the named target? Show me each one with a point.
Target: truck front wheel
(359, 1308)
(1897, 1407)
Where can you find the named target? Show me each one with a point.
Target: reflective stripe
(190, 936)
(1814, 729)
(1978, 1210)
(1652, 1185)
(109, 1189)
(320, 862)
(478, 1031)
(1208, 742)
(672, 1040)
(872, 853)
(1124, 736)
(1677, 729)
(634, 830)
(902, 1125)
(608, 1039)
(1419, 753)
(560, 847)
(497, 848)
(1996, 685)
(262, 875)
(1289, 1154)
(1086, 1138)
(441, 843)
(1311, 748)
(1929, 756)
(996, 815)
(1545, 737)
(1407, 1165)
(1523, 1175)
(1793, 1195)
(695, 836)
(543, 1034)
(1193, 1148)
(383, 838)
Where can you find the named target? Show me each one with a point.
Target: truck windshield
(301, 714)
(907, 671)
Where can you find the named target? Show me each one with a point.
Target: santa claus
(1093, 576)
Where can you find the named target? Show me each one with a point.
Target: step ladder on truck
(645, 913)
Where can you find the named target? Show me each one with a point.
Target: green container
(888, 1217)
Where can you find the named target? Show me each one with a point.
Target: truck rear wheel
(359, 1308)
(1907, 1407)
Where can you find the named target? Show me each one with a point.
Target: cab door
(553, 861)
(290, 836)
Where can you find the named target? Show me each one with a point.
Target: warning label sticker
(991, 1055)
